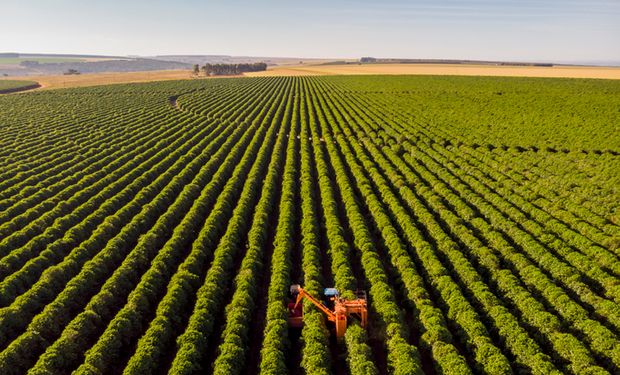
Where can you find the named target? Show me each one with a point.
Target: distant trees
(70, 72)
(232, 69)
(196, 69)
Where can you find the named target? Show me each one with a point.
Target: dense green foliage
(152, 228)
(231, 69)
(563, 114)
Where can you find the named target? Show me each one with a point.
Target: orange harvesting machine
(337, 309)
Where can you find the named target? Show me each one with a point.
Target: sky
(521, 30)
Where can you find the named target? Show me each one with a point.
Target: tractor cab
(329, 297)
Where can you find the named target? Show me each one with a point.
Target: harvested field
(96, 79)
(447, 69)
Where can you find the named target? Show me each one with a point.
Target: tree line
(229, 69)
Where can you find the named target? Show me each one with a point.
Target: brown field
(447, 69)
(95, 79)
(60, 81)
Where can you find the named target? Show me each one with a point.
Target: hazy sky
(558, 30)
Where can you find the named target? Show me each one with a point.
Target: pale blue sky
(550, 30)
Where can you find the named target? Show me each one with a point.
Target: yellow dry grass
(446, 69)
(60, 81)
(95, 79)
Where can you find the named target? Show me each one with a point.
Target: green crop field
(12, 85)
(156, 228)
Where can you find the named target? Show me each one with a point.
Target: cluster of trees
(229, 69)
(80, 284)
(274, 348)
(581, 222)
(235, 341)
(316, 202)
(589, 221)
(184, 285)
(100, 172)
(403, 358)
(588, 210)
(591, 259)
(472, 324)
(124, 246)
(566, 346)
(430, 319)
(227, 185)
(210, 297)
(163, 268)
(187, 159)
(151, 233)
(367, 59)
(527, 353)
(30, 224)
(315, 353)
(529, 266)
(51, 246)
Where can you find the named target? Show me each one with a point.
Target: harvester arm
(302, 293)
